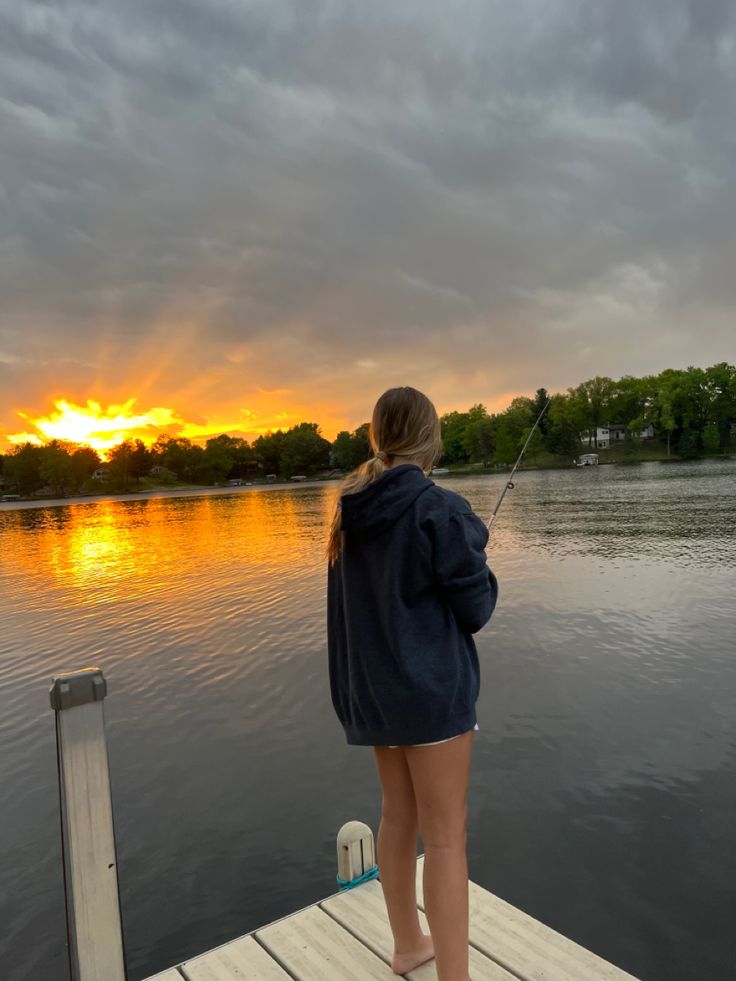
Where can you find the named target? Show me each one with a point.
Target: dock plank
(314, 947)
(362, 911)
(347, 936)
(243, 959)
(523, 945)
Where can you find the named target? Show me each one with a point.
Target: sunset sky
(230, 216)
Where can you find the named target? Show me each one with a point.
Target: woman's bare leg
(397, 860)
(440, 777)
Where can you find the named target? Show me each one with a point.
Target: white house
(601, 438)
(618, 432)
(615, 433)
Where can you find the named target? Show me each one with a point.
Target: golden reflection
(180, 546)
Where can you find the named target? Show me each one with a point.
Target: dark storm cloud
(548, 181)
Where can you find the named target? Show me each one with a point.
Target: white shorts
(440, 740)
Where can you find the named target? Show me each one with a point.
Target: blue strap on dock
(365, 877)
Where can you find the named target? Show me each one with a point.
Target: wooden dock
(346, 937)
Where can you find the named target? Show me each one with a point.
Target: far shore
(205, 491)
(132, 496)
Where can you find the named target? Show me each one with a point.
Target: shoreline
(126, 497)
(133, 496)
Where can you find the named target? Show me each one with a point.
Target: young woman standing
(408, 586)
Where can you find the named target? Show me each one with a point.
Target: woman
(408, 585)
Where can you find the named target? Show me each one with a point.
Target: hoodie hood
(378, 506)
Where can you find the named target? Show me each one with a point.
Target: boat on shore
(588, 460)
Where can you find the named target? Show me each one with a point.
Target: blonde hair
(404, 424)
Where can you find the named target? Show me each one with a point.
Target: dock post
(356, 853)
(94, 928)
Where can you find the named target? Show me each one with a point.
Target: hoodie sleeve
(467, 583)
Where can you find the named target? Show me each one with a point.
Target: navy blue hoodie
(403, 600)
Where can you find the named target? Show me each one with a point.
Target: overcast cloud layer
(202, 201)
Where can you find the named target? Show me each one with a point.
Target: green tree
(198, 467)
(220, 453)
(453, 427)
(268, 449)
(349, 450)
(593, 401)
(84, 461)
(688, 444)
(695, 398)
(479, 436)
(361, 446)
(536, 443)
(664, 414)
(563, 435)
(175, 453)
(120, 462)
(721, 383)
(242, 454)
(55, 468)
(141, 459)
(342, 450)
(305, 450)
(633, 402)
(541, 398)
(22, 469)
(711, 438)
(512, 425)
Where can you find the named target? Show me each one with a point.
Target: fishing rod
(509, 485)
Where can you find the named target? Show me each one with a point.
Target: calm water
(603, 798)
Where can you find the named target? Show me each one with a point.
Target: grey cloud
(414, 174)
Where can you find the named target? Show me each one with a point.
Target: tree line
(693, 412)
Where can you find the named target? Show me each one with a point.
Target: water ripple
(606, 711)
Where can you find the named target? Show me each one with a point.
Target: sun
(94, 426)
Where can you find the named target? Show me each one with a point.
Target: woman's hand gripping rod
(509, 485)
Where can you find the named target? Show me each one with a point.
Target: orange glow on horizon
(103, 428)
(91, 425)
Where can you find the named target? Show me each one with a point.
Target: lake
(602, 799)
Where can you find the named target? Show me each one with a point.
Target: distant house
(618, 432)
(614, 432)
(101, 473)
(157, 471)
(601, 438)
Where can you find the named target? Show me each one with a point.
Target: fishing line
(509, 485)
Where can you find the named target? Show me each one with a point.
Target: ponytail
(406, 423)
(365, 474)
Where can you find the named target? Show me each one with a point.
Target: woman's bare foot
(403, 963)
